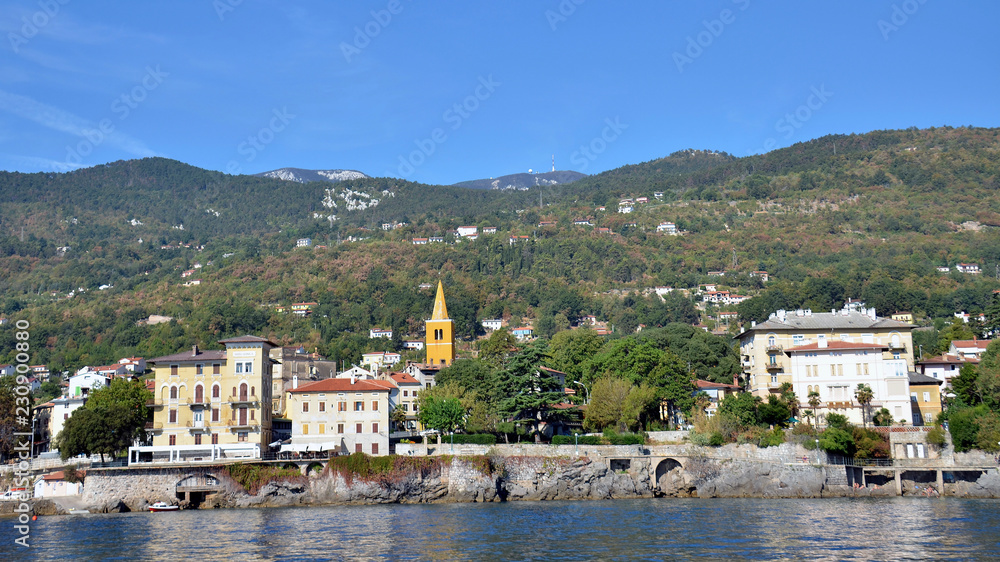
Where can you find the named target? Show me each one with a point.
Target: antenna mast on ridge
(553, 162)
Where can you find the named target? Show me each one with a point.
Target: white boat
(79, 512)
(163, 506)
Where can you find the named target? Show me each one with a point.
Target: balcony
(243, 399)
(152, 426)
(897, 347)
(236, 424)
(198, 427)
(203, 404)
(774, 366)
(154, 403)
(774, 348)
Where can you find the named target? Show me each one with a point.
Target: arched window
(173, 393)
(253, 391)
(895, 341)
(234, 391)
(216, 390)
(770, 341)
(199, 393)
(243, 391)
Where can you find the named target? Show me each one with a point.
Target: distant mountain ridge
(523, 181)
(304, 176)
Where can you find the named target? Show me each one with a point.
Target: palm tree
(814, 404)
(864, 396)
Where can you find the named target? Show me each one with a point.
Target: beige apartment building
(831, 353)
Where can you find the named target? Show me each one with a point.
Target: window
(216, 368)
(197, 439)
(173, 393)
(359, 406)
(406, 407)
(305, 429)
(239, 368)
(913, 397)
(798, 339)
(374, 448)
(199, 394)
(322, 428)
(438, 334)
(216, 390)
(173, 440)
(406, 393)
(253, 415)
(927, 397)
(357, 428)
(770, 341)
(414, 393)
(215, 414)
(322, 406)
(341, 406)
(172, 416)
(248, 368)
(199, 369)
(241, 436)
(774, 379)
(375, 428)
(215, 438)
(374, 405)
(340, 428)
(357, 448)
(305, 407)
(173, 370)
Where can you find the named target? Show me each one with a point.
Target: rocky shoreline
(475, 478)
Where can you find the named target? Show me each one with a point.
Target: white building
(83, 383)
(834, 369)
(492, 324)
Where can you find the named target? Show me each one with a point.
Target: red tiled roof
(344, 385)
(979, 344)
(60, 475)
(403, 378)
(835, 346)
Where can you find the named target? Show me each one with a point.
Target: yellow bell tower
(440, 333)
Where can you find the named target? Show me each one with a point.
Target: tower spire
(440, 309)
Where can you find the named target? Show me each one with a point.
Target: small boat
(79, 512)
(163, 506)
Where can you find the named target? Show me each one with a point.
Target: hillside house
(303, 308)
(380, 333)
(971, 268)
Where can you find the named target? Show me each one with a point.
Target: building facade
(831, 353)
(340, 415)
(209, 404)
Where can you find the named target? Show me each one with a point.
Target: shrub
(937, 436)
(837, 441)
(473, 438)
(837, 421)
(581, 439)
(870, 444)
(716, 439)
(772, 438)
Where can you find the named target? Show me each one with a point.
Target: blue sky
(449, 91)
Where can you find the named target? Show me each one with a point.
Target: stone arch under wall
(193, 487)
(665, 466)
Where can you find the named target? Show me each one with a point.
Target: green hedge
(616, 438)
(582, 440)
(471, 438)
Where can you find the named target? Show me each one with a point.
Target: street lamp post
(817, 450)
(587, 401)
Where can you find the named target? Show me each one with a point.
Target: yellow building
(340, 415)
(925, 398)
(211, 404)
(440, 333)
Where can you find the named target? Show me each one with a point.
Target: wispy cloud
(22, 162)
(64, 121)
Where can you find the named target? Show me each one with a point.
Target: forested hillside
(867, 216)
